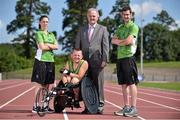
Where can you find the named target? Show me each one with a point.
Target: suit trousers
(97, 77)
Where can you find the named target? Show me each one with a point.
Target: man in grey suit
(93, 40)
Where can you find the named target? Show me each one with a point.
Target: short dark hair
(125, 8)
(76, 49)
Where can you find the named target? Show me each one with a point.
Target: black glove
(65, 71)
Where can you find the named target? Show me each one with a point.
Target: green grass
(174, 64)
(162, 85)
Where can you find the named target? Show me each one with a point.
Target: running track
(16, 99)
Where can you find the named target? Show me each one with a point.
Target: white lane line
(160, 104)
(147, 101)
(121, 108)
(160, 91)
(65, 115)
(13, 86)
(159, 96)
(156, 95)
(17, 97)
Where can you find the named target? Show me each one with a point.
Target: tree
(153, 41)
(164, 19)
(26, 11)
(175, 36)
(75, 16)
(160, 43)
(10, 60)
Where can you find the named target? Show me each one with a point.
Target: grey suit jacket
(97, 50)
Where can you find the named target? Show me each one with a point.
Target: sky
(149, 8)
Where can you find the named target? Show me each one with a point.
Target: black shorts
(43, 72)
(127, 71)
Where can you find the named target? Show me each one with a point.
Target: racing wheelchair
(64, 97)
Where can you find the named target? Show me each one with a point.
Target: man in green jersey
(125, 38)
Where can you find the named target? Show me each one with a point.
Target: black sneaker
(35, 109)
(100, 112)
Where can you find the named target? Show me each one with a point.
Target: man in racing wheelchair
(76, 86)
(73, 72)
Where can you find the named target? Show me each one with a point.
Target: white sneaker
(34, 110)
(132, 112)
(122, 111)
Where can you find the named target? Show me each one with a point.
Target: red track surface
(16, 100)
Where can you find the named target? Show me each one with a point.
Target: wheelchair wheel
(59, 103)
(40, 101)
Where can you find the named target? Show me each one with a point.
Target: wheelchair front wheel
(40, 101)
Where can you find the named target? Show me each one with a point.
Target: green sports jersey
(123, 32)
(46, 55)
(76, 71)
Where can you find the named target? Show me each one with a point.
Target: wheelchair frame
(63, 97)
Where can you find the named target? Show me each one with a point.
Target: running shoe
(34, 110)
(132, 112)
(122, 111)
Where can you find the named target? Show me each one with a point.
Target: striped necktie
(90, 32)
